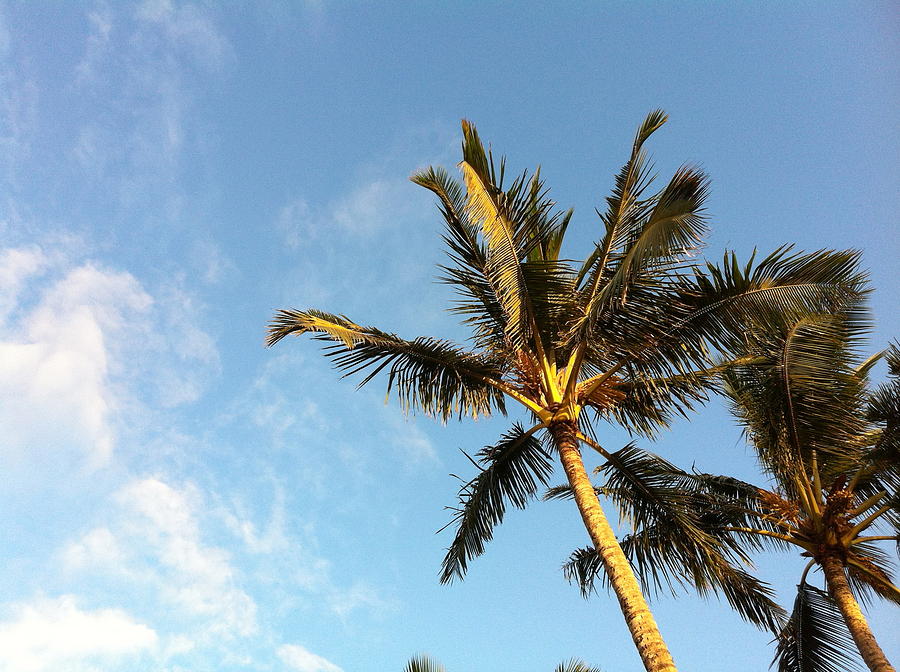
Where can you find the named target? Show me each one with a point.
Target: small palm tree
(426, 664)
(625, 335)
(832, 449)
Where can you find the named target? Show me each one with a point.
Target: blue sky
(174, 496)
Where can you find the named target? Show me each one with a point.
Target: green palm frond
(583, 568)
(883, 409)
(503, 261)
(468, 272)
(669, 229)
(512, 223)
(575, 665)
(648, 489)
(800, 395)
(434, 376)
(423, 663)
(816, 638)
(680, 538)
(650, 403)
(784, 286)
(511, 472)
(869, 573)
(621, 217)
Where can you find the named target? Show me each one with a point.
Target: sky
(174, 496)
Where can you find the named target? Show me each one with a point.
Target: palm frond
(668, 230)
(816, 639)
(575, 665)
(681, 537)
(621, 218)
(512, 471)
(434, 376)
(725, 300)
(468, 272)
(583, 568)
(422, 663)
(801, 395)
(869, 573)
(485, 207)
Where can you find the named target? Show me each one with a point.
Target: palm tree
(832, 449)
(627, 335)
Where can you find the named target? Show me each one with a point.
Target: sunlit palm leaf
(782, 287)
(433, 376)
(620, 217)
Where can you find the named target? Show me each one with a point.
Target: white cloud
(373, 206)
(55, 634)
(93, 350)
(57, 364)
(97, 547)
(198, 577)
(298, 658)
(273, 538)
(294, 222)
(101, 24)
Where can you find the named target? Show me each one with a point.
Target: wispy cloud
(300, 659)
(97, 43)
(193, 576)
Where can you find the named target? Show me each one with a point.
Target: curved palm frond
(883, 409)
(784, 286)
(511, 472)
(468, 272)
(816, 638)
(668, 229)
(434, 376)
(506, 239)
(575, 665)
(423, 663)
(800, 395)
(869, 573)
(620, 218)
(680, 538)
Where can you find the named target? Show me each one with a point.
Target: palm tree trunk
(839, 589)
(644, 631)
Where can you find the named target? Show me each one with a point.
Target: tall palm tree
(831, 446)
(626, 335)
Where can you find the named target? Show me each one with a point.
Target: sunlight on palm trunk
(641, 624)
(840, 591)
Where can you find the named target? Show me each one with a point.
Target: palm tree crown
(628, 334)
